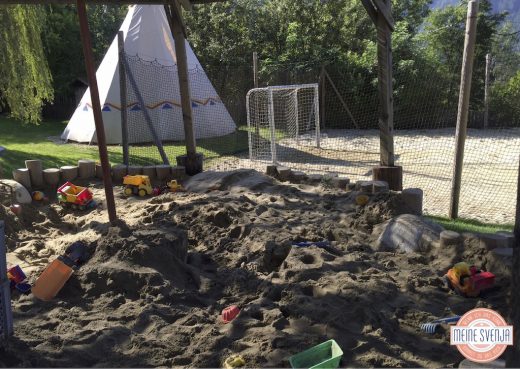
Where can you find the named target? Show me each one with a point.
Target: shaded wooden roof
(98, 2)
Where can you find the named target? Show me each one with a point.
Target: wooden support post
(386, 103)
(36, 172)
(255, 69)
(486, 90)
(464, 95)
(96, 108)
(513, 359)
(323, 83)
(191, 160)
(123, 94)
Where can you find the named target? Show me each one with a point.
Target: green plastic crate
(326, 355)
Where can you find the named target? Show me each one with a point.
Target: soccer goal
(281, 118)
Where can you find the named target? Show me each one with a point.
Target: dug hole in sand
(153, 288)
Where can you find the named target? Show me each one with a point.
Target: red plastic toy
(468, 280)
(75, 196)
(230, 313)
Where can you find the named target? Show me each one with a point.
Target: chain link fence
(425, 101)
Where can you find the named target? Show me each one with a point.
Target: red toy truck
(74, 196)
(468, 280)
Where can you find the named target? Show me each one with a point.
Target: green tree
(25, 80)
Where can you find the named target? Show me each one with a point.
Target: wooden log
(51, 176)
(178, 172)
(193, 163)
(118, 172)
(284, 173)
(450, 238)
(367, 187)
(298, 176)
(149, 171)
(36, 172)
(270, 170)
(163, 171)
(23, 177)
(493, 241)
(380, 186)
(392, 175)
(99, 171)
(86, 169)
(510, 236)
(135, 170)
(413, 199)
(69, 172)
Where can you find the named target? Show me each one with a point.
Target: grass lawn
(468, 225)
(23, 141)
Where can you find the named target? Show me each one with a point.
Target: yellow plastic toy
(362, 200)
(137, 185)
(234, 361)
(174, 186)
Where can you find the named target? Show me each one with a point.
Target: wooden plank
(462, 114)
(372, 12)
(123, 94)
(486, 90)
(104, 2)
(255, 69)
(383, 8)
(341, 98)
(96, 108)
(386, 116)
(182, 70)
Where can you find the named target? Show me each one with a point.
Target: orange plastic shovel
(52, 280)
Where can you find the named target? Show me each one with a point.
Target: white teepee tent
(147, 35)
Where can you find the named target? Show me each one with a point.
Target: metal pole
(123, 94)
(272, 128)
(323, 88)
(486, 91)
(255, 69)
(464, 95)
(317, 114)
(96, 108)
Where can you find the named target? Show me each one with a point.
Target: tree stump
(51, 177)
(134, 170)
(367, 187)
(23, 177)
(192, 163)
(36, 172)
(380, 186)
(99, 171)
(270, 170)
(86, 169)
(178, 172)
(150, 172)
(392, 175)
(493, 241)
(118, 172)
(284, 173)
(450, 238)
(69, 172)
(163, 171)
(413, 199)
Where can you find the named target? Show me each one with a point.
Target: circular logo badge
(481, 335)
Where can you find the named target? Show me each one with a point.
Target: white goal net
(280, 119)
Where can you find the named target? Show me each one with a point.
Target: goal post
(280, 118)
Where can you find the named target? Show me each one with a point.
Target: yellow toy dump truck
(137, 185)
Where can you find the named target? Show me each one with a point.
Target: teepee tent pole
(96, 108)
(193, 162)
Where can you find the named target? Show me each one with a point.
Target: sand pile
(155, 284)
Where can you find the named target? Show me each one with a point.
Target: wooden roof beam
(187, 4)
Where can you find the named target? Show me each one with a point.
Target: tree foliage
(25, 80)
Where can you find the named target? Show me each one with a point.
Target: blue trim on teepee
(135, 108)
(106, 108)
(85, 108)
(166, 106)
(194, 104)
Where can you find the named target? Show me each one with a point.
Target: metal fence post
(271, 126)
